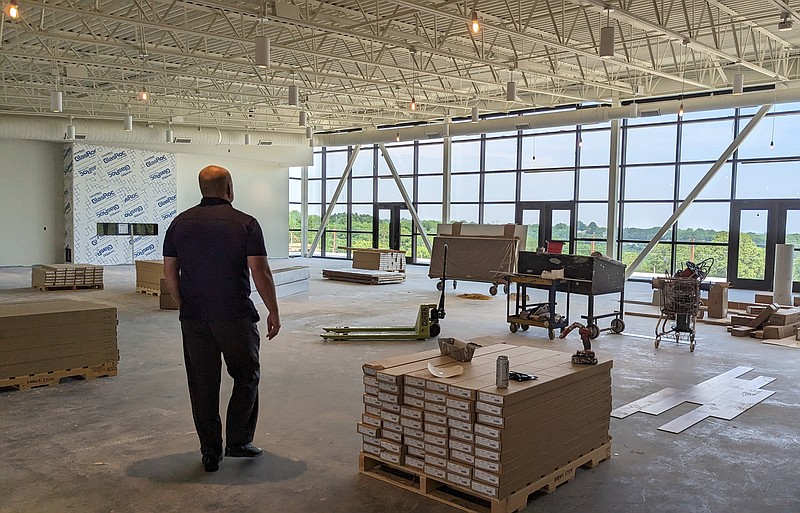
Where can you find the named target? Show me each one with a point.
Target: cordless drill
(585, 356)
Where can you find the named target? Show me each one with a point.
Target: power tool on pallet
(585, 356)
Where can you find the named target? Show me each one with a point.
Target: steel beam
(345, 175)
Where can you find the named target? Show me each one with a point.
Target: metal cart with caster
(680, 303)
(522, 314)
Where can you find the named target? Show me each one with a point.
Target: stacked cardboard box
(148, 275)
(41, 337)
(485, 440)
(53, 276)
(379, 259)
(770, 322)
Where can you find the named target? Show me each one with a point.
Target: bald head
(216, 182)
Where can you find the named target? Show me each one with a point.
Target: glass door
(549, 222)
(755, 228)
(392, 227)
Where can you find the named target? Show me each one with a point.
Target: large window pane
(552, 186)
(657, 262)
(774, 180)
(500, 187)
(592, 220)
(650, 183)
(431, 216)
(314, 217)
(295, 187)
(466, 213)
(466, 156)
(499, 214)
(593, 184)
(330, 188)
(698, 252)
(704, 222)
(784, 135)
(336, 162)
(429, 188)
(705, 141)
(651, 144)
(708, 114)
(551, 150)
(464, 187)
(361, 221)
(501, 154)
(314, 191)
(388, 191)
(363, 164)
(641, 221)
(718, 188)
(362, 190)
(595, 148)
(315, 171)
(402, 158)
(430, 158)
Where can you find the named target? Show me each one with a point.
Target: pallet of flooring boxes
(46, 277)
(432, 435)
(390, 260)
(44, 341)
(148, 276)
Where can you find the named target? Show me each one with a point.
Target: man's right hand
(273, 325)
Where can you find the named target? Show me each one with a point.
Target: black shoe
(211, 463)
(247, 450)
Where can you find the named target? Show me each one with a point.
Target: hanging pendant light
(56, 101)
(247, 139)
(294, 95)
(413, 104)
(262, 52)
(127, 124)
(738, 84)
(302, 118)
(475, 114)
(511, 91)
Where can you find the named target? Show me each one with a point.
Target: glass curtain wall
(662, 160)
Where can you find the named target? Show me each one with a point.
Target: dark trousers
(238, 342)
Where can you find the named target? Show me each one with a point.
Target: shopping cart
(680, 303)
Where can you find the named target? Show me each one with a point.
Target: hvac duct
(108, 132)
(563, 118)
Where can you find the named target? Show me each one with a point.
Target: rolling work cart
(522, 314)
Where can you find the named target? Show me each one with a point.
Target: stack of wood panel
(486, 441)
(379, 259)
(770, 322)
(364, 276)
(148, 276)
(66, 276)
(40, 342)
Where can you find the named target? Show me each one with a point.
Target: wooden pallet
(148, 291)
(48, 288)
(466, 499)
(45, 379)
(364, 277)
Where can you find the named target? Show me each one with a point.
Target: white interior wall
(31, 202)
(260, 189)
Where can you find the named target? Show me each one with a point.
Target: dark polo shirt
(212, 242)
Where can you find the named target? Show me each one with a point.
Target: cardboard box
(149, 274)
(718, 300)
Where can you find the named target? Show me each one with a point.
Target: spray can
(501, 373)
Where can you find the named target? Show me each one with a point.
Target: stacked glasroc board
(66, 276)
(42, 342)
(379, 259)
(466, 434)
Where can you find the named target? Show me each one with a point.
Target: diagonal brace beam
(345, 175)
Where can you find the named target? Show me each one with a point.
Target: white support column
(698, 188)
(304, 211)
(345, 174)
(613, 189)
(447, 162)
(406, 198)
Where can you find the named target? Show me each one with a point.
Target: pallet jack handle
(440, 310)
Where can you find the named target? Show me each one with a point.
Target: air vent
(433, 135)
(649, 113)
(265, 143)
(523, 126)
(80, 137)
(182, 140)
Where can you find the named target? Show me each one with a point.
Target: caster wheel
(493, 290)
(455, 283)
(551, 334)
(617, 326)
(513, 327)
(595, 331)
(505, 288)
(546, 324)
(435, 329)
(525, 327)
(691, 347)
(439, 285)
(658, 341)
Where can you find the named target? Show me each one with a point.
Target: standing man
(209, 252)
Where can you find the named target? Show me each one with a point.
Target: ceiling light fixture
(168, 134)
(294, 95)
(474, 24)
(786, 22)
(413, 104)
(56, 101)
(70, 131)
(685, 43)
(143, 95)
(13, 10)
(511, 88)
(738, 84)
(607, 37)
(772, 137)
(397, 137)
(303, 118)
(247, 139)
(262, 54)
(128, 123)
(475, 114)
(309, 132)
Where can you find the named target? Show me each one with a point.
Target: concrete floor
(126, 444)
